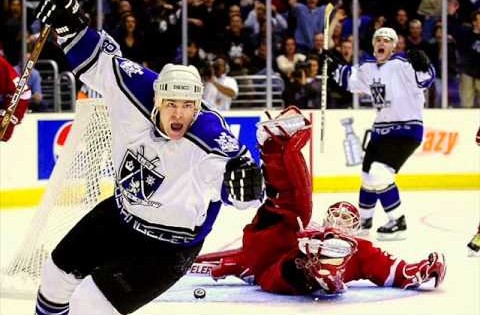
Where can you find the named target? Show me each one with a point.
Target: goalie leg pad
(299, 174)
(379, 177)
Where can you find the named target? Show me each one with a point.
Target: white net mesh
(82, 177)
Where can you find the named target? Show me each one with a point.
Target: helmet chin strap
(155, 118)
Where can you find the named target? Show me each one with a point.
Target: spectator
(12, 32)
(215, 19)
(431, 12)
(340, 98)
(196, 20)
(346, 50)
(309, 21)
(8, 79)
(400, 22)
(401, 44)
(435, 54)
(220, 88)
(286, 61)
(131, 39)
(121, 8)
(415, 39)
(318, 45)
(196, 56)
(453, 18)
(258, 61)
(237, 42)
(35, 104)
(365, 44)
(257, 17)
(469, 51)
(364, 23)
(296, 91)
(314, 82)
(163, 34)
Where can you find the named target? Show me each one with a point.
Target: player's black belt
(164, 233)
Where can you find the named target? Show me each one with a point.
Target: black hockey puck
(199, 293)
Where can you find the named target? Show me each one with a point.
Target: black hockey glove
(334, 60)
(243, 179)
(65, 16)
(418, 59)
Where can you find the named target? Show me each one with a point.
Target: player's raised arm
(88, 51)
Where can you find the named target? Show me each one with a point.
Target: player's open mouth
(176, 126)
(381, 50)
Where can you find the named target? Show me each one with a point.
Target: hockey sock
(390, 200)
(367, 201)
(46, 307)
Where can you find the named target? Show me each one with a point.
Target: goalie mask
(343, 216)
(177, 82)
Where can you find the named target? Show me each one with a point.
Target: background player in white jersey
(175, 160)
(396, 84)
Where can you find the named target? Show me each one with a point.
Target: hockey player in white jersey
(396, 83)
(176, 161)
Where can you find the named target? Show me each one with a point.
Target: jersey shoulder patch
(136, 82)
(212, 134)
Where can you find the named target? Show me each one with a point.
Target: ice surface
(437, 220)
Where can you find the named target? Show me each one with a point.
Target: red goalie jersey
(8, 81)
(282, 257)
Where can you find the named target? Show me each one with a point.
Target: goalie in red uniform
(8, 82)
(282, 257)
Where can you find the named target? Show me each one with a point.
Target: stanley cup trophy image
(351, 145)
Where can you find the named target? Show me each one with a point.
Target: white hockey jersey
(167, 189)
(396, 90)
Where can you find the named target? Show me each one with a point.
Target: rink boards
(447, 159)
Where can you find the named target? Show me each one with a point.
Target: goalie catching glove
(326, 255)
(65, 16)
(244, 181)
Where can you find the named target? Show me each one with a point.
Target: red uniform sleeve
(8, 80)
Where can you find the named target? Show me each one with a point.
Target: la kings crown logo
(138, 180)
(378, 90)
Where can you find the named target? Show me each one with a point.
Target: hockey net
(82, 176)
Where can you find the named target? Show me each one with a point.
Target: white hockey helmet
(387, 32)
(178, 82)
(343, 216)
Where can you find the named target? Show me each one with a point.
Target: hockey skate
(365, 226)
(474, 246)
(413, 275)
(393, 230)
(227, 263)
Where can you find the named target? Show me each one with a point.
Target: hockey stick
(37, 49)
(323, 106)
